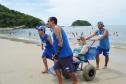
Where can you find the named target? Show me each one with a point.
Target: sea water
(116, 33)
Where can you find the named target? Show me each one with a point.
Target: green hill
(81, 23)
(12, 18)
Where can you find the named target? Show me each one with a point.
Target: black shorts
(65, 64)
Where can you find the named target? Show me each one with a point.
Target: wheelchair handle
(91, 43)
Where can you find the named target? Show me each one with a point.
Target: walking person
(104, 44)
(46, 42)
(63, 52)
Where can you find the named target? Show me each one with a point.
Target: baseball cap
(41, 28)
(100, 23)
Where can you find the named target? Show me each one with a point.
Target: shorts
(65, 64)
(48, 54)
(100, 50)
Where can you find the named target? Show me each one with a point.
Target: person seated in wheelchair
(80, 51)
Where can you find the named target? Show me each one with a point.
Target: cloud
(92, 10)
(112, 12)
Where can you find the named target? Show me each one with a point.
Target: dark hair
(53, 19)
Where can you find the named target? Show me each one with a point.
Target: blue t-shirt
(66, 50)
(104, 43)
(44, 39)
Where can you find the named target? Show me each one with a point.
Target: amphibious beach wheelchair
(88, 71)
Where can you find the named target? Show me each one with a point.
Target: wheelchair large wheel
(65, 75)
(89, 72)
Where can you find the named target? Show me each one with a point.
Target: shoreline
(18, 39)
(38, 43)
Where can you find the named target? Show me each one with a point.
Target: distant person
(29, 33)
(76, 33)
(63, 52)
(10, 33)
(47, 43)
(114, 33)
(82, 33)
(34, 34)
(117, 34)
(104, 45)
(73, 34)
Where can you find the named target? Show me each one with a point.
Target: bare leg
(59, 76)
(97, 62)
(45, 64)
(73, 77)
(106, 61)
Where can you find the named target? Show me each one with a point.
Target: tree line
(12, 18)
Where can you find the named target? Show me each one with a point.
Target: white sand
(21, 63)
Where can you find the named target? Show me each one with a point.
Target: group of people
(59, 50)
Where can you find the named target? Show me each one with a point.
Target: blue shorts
(65, 64)
(100, 50)
(48, 54)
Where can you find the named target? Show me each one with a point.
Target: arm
(90, 36)
(102, 37)
(58, 34)
(50, 40)
(42, 46)
(84, 50)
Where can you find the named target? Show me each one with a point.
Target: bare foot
(105, 67)
(46, 71)
(97, 68)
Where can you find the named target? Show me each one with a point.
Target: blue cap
(100, 23)
(41, 28)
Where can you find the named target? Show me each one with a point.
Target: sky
(111, 12)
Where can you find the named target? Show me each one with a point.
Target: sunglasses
(48, 21)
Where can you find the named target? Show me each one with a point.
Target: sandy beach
(20, 63)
